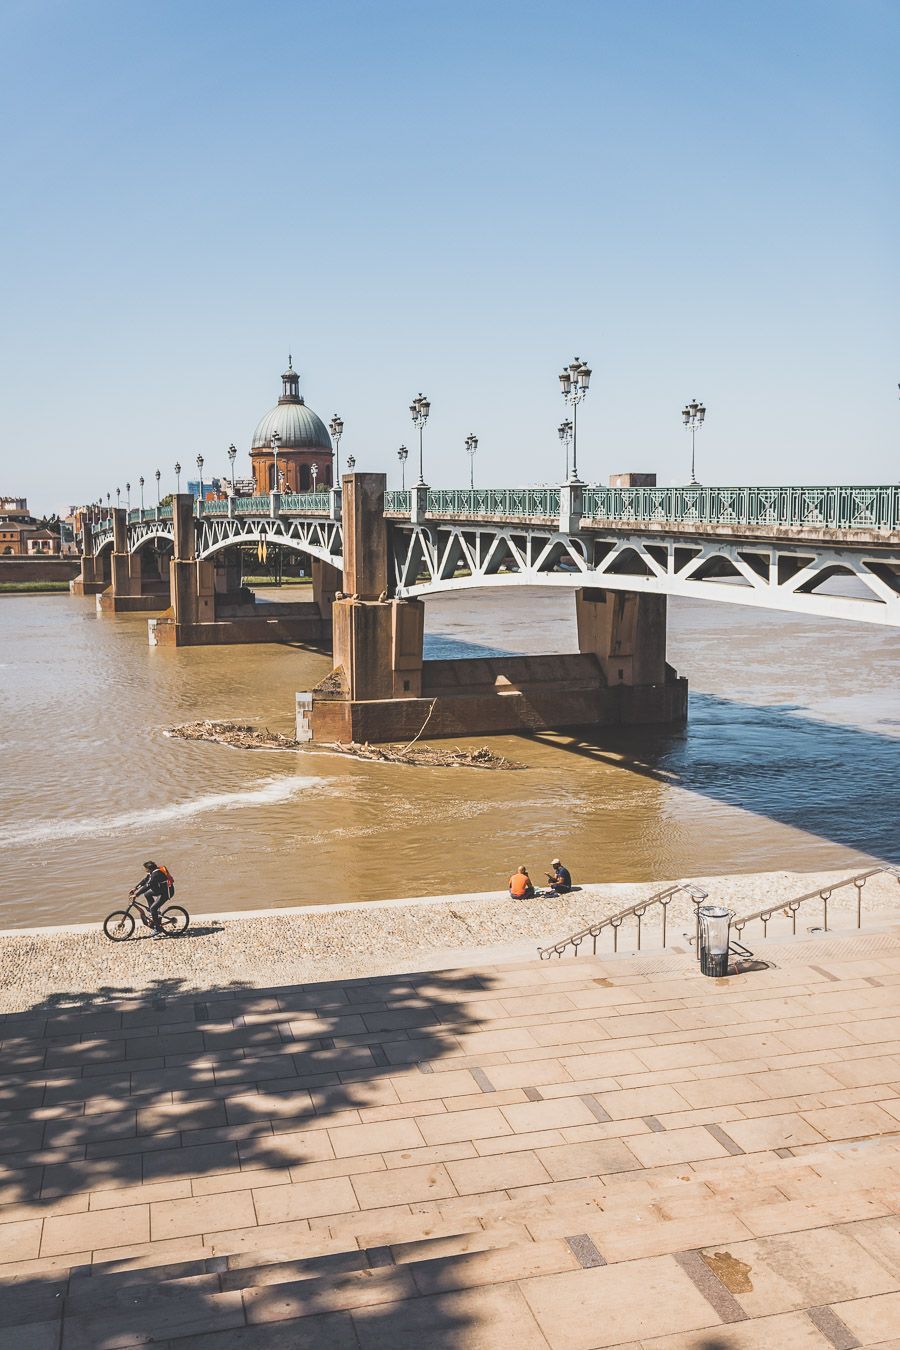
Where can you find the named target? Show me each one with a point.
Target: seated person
(520, 887)
(560, 879)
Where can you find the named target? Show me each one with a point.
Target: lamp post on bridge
(692, 415)
(314, 471)
(565, 438)
(420, 408)
(232, 456)
(128, 497)
(118, 498)
(403, 456)
(141, 485)
(177, 477)
(336, 427)
(200, 472)
(471, 447)
(274, 443)
(574, 382)
(157, 475)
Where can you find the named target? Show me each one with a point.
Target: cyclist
(159, 887)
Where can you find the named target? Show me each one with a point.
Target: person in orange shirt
(520, 887)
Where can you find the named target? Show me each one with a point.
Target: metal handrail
(869, 507)
(823, 893)
(312, 502)
(662, 898)
(504, 503)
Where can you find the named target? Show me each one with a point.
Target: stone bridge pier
(95, 574)
(381, 688)
(209, 606)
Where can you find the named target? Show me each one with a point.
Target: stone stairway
(569, 1155)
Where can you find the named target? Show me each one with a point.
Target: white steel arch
(430, 559)
(320, 538)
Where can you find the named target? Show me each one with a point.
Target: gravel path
(294, 946)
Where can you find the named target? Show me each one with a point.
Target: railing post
(571, 502)
(335, 497)
(418, 501)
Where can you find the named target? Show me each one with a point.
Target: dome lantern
(290, 382)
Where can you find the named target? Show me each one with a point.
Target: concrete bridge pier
(94, 575)
(134, 587)
(625, 631)
(209, 606)
(381, 689)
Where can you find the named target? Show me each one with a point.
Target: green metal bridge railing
(840, 508)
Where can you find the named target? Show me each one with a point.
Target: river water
(790, 760)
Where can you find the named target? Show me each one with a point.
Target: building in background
(21, 536)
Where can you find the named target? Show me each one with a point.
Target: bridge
(831, 552)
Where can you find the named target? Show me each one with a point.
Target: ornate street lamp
(419, 409)
(200, 472)
(574, 383)
(692, 415)
(403, 456)
(128, 496)
(232, 456)
(158, 475)
(471, 447)
(314, 470)
(118, 498)
(336, 427)
(565, 436)
(141, 484)
(177, 477)
(351, 462)
(274, 442)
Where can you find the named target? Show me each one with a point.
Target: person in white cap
(560, 879)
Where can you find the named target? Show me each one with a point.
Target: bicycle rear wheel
(174, 919)
(119, 925)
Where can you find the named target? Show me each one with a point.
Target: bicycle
(120, 925)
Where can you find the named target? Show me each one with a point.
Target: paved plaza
(565, 1155)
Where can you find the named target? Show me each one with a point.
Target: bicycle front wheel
(119, 925)
(174, 919)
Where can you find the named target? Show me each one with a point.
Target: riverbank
(33, 587)
(269, 947)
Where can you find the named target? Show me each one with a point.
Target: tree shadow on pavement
(157, 1148)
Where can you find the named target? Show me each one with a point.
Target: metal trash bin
(715, 933)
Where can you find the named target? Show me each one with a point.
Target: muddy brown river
(791, 759)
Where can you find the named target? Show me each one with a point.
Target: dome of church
(298, 427)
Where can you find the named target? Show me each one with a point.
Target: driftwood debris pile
(235, 734)
(434, 756)
(243, 737)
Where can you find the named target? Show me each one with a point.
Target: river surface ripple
(790, 760)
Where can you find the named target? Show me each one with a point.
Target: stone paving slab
(580, 1154)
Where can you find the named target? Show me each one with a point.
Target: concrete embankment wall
(38, 569)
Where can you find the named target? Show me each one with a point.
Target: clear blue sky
(698, 196)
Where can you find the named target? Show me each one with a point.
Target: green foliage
(15, 587)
